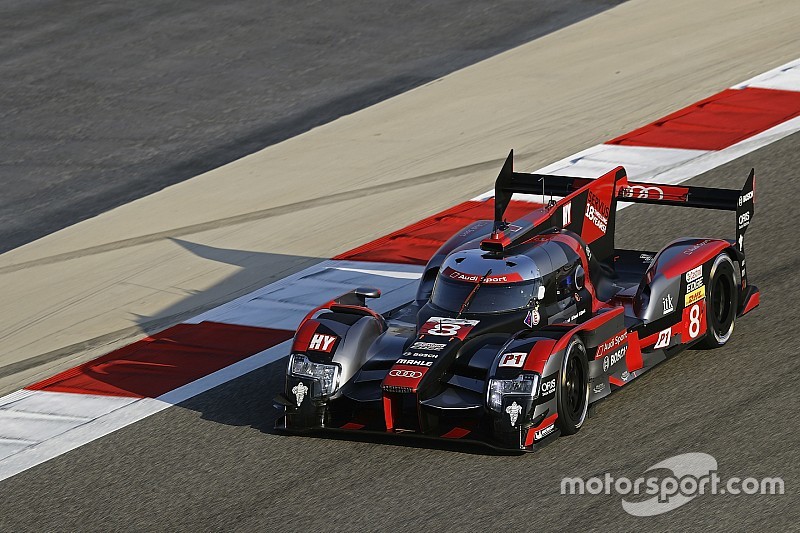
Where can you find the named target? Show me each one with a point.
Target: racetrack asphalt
(213, 463)
(103, 103)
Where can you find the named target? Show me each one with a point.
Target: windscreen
(490, 297)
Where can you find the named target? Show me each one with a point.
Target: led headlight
(326, 375)
(524, 385)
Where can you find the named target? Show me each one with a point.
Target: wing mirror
(358, 296)
(367, 292)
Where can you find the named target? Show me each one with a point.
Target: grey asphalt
(213, 463)
(105, 102)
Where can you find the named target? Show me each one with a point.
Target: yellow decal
(695, 296)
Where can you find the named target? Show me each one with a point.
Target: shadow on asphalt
(256, 270)
(248, 401)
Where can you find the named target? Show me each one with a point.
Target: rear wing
(741, 201)
(581, 196)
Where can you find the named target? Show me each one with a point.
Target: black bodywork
(430, 369)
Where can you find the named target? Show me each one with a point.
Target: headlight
(524, 385)
(326, 375)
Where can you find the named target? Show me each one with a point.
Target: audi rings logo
(414, 374)
(641, 191)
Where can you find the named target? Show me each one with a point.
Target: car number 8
(694, 321)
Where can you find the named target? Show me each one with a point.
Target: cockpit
(502, 284)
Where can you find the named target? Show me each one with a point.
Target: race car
(517, 327)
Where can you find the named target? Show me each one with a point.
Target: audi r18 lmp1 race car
(516, 328)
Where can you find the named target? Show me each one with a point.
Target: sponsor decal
(588, 253)
(611, 344)
(322, 343)
(413, 374)
(448, 327)
(515, 359)
(299, 392)
(597, 212)
(614, 358)
(513, 228)
(579, 314)
(625, 375)
(433, 346)
(532, 318)
(664, 338)
(548, 387)
(744, 220)
(566, 214)
(692, 249)
(695, 273)
(475, 278)
(647, 258)
(513, 411)
(694, 285)
(744, 274)
(422, 355)
(542, 433)
(414, 362)
(695, 296)
(667, 303)
(600, 387)
(472, 229)
(746, 198)
(644, 192)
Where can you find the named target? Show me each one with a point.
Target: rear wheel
(572, 390)
(722, 300)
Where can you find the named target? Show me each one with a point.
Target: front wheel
(572, 390)
(722, 300)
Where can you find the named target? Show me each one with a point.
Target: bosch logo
(413, 374)
(614, 358)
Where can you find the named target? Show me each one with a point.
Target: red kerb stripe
(165, 361)
(718, 121)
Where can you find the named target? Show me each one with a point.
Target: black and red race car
(517, 327)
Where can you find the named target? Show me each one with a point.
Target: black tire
(722, 302)
(572, 388)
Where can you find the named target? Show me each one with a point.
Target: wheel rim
(574, 386)
(721, 298)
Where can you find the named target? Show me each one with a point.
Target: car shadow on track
(248, 402)
(256, 270)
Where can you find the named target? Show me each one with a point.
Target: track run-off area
(236, 257)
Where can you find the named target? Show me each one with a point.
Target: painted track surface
(144, 266)
(431, 476)
(157, 93)
(213, 462)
